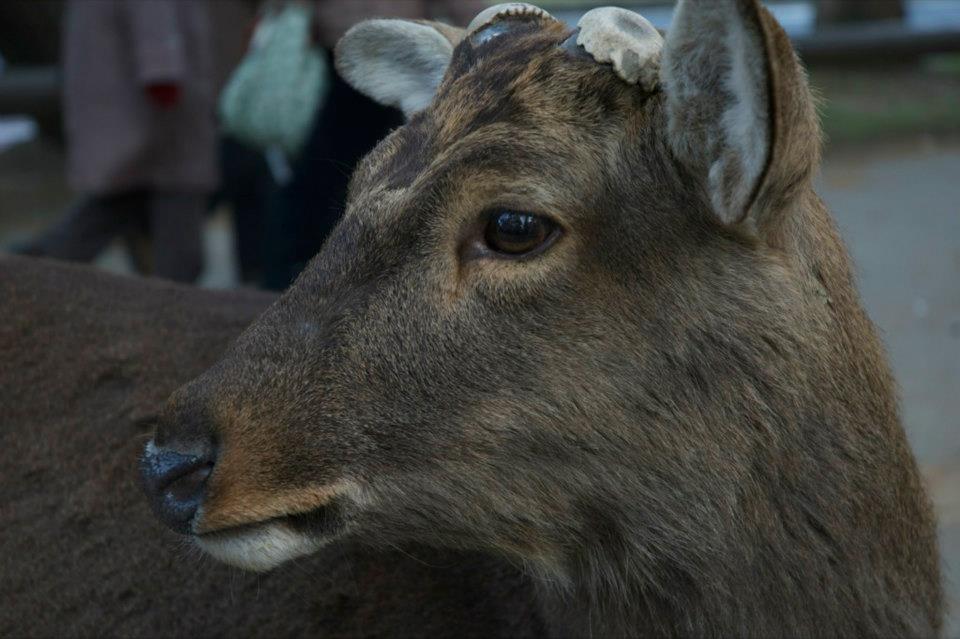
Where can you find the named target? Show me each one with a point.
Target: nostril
(189, 485)
(164, 467)
(175, 483)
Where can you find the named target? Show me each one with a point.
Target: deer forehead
(523, 107)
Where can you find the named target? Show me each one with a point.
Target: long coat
(117, 138)
(336, 16)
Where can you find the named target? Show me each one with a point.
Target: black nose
(175, 481)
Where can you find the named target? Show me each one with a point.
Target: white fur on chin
(259, 548)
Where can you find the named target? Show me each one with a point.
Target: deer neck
(616, 596)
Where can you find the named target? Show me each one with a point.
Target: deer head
(583, 311)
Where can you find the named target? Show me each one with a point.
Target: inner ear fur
(739, 109)
(398, 63)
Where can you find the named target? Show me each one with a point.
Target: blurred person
(246, 185)
(832, 12)
(139, 100)
(347, 127)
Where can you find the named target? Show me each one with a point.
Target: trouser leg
(88, 227)
(348, 126)
(176, 230)
(246, 184)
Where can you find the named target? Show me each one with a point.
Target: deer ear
(739, 111)
(397, 63)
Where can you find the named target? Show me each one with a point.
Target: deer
(585, 313)
(88, 357)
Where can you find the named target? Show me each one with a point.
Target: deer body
(584, 312)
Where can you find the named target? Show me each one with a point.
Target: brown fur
(86, 360)
(680, 422)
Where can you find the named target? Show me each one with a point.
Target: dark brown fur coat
(85, 359)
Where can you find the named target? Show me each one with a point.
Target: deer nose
(175, 481)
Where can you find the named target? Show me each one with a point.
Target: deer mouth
(265, 544)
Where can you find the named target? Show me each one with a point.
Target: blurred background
(127, 140)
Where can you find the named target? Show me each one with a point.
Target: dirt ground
(898, 206)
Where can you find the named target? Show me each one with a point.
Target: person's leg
(176, 231)
(245, 185)
(281, 230)
(88, 227)
(136, 237)
(348, 126)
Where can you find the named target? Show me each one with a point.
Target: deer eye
(517, 232)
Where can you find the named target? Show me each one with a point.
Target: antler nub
(499, 12)
(626, 40)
